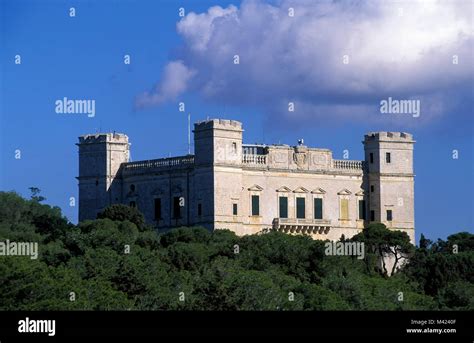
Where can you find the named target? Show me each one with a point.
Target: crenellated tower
(100, 158)
(390, 179)
(218, 166)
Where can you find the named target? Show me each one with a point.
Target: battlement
(103, 138)
(223, 124)
(294, 188)
(389, 137)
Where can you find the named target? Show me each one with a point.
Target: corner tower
(390, 179)
(218, 166)
(218, 141)
(100, 158)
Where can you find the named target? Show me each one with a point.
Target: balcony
(304, 226)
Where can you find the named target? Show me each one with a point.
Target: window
(372, 215)
(318, 208)
(234, 209)
(372, 188)
(345, 209)
(133, 204)
(234, 147)
(300, 208)
(176, 208)
(157, 209)
(388, 157)
(371, 156)
(283, 202)
(255, 205)
(199, 210)
(362, 209)
(389, 215)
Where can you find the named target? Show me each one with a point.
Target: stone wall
(223, 175)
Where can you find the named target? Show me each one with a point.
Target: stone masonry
(252, 188)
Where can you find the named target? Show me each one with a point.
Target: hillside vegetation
(117, 262)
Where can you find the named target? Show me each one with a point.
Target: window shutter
(300, 208)
(255, 205)
(283, 207)
(362, 209)
(344, 209)
(318, 208)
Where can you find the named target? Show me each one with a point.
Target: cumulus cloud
(173, 83)
(394, 49)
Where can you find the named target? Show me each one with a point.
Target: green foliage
(458, 295)
(118, 263)
(438, 266)
(185, 235)
(35, 194)
(119, 212)
(380, 242)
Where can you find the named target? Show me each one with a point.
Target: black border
(76, 324)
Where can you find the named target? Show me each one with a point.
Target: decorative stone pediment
(360, 193)
(255, 188)
(344, 191)
(284, 189)
(318, 191)
(300, 190)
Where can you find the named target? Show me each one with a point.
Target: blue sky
(399, 50)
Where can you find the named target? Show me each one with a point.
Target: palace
(253, 188)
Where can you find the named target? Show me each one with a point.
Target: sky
(335, 61)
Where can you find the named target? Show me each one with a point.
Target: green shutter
(362, 209)
(318, 208)
(255, 205)
(300, 210)
(283, 207)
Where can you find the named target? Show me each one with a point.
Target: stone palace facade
(252, 188)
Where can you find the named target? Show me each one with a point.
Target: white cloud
(173, 83)
(198, 28)
(398, 49)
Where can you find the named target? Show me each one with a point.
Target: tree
(111, 264)
(458, 295)
(35, 191)
(424, 242)
(382, 242)
(185, 235)
(119, 212)
(291, 254)
(399, 246)
(443, 271)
